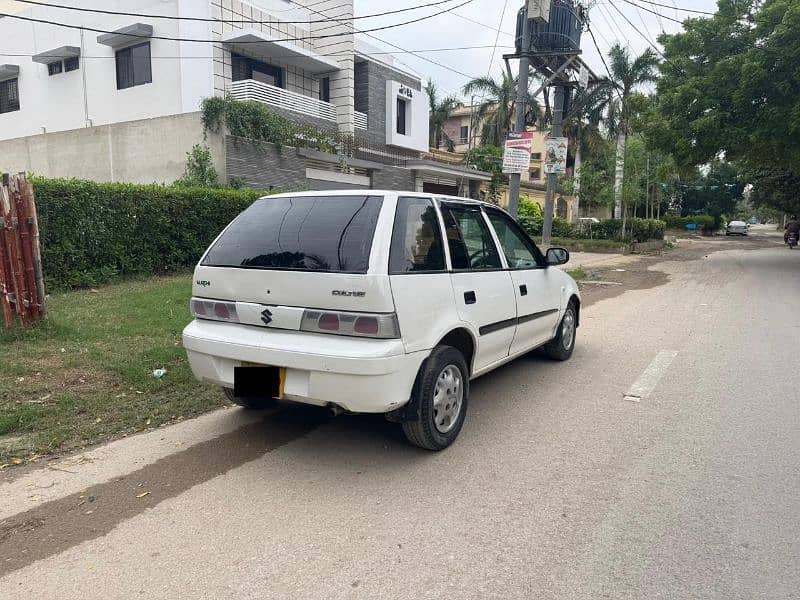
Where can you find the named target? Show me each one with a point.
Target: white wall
(57, 103)
(417, 117)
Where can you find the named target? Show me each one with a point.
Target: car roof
(383, 193)
(737, 223)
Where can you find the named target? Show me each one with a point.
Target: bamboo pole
(33, 216)
(23, 227)
(5, 265)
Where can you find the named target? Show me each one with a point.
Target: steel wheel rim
(568, 330)
(448, 398)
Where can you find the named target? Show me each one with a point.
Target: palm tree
(627, 75)
(497, 110)
(584, 127)
(439, 113)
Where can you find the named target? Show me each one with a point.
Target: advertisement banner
(517, 155)
(555, 155)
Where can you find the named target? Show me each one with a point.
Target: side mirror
(557, 256)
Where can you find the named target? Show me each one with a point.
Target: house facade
(118, 98)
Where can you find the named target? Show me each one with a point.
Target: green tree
(729, 87)
(628, 74)
(440, 110)
(497, 111)
(489, 159)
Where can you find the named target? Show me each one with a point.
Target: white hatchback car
(375, 302)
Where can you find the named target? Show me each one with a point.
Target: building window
(133, 66)
(536, 156)
(325, 89)
(464, 135)
(536, 174)
(243, 68)
(9, 96)
(54, 68)
(72, 64)
(401, 116)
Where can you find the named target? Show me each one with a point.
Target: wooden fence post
(5, 264)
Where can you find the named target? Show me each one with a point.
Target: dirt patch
(644, 274)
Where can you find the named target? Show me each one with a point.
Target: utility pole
(522, 97)
(552, 178)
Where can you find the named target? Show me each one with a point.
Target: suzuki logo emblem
(266, 316)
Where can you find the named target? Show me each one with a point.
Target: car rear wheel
(441, 395)
(562, 346)
(251, 402)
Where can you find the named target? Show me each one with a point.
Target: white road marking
(649, 379)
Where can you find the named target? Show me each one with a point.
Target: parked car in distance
(736, 228)
(375, 302)
(588, 221)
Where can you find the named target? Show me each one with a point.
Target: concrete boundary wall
(144, 151)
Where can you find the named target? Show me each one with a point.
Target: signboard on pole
(584, 77)
(539, 10)
(555, 155)
(517, 155)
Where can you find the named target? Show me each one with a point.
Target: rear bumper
(360, 375)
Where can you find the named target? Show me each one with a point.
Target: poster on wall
(517, 154)
(555, 155)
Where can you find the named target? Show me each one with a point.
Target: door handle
(470, 298)
(523, 290)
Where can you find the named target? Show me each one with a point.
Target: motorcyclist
(792, 226)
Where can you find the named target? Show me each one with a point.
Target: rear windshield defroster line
(303, 233)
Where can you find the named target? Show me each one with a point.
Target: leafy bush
(644, 230)
(200, 171)
(94, 232)
(530, 216)
(707, 222)
(564, 229)
(256, 121)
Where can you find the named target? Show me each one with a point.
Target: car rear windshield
(303, 233)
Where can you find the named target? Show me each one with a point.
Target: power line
(275, 56)
(674, 7)
(497, 37)
(637, 30)
(194, 40)
(605, 64)
(679, 22)
(230, 21)
(425, 58)
(484, 25)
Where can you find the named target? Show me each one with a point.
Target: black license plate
(258, 381)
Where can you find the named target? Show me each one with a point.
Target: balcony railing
(360, 120)
(249, 89)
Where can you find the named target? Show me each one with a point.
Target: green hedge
(702, 221)
(92, 233)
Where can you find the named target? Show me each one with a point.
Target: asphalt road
(663, 461)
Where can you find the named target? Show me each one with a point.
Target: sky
(458, 29)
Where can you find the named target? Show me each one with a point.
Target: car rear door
(483, 290)
(537, 288)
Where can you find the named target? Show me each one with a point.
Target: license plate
(256, 380)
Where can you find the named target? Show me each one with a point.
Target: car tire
(442, 382)
(561, 347)
(250, 402)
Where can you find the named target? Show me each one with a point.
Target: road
(661, 462)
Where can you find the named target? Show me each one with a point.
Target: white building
(116, 95)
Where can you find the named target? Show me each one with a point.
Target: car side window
(469, 239)
(416, 239)
(521, 252)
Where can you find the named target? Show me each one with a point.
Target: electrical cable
(425, 58)
(202, 41)
(230, 21)
(637, 30)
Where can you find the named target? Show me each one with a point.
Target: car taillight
(214, 310)
(352, 324)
